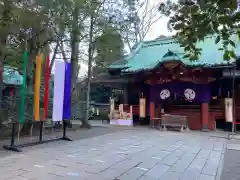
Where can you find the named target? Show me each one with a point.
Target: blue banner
(67, 92)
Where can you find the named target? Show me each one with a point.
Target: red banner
(47, 77)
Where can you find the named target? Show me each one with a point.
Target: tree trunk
(90, 61)
(6, 15)
(74, 46)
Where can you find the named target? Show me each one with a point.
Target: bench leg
(159, 125)
(181, 129)
(153, 124)
(164, 128)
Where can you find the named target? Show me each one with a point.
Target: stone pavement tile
(233, 147)
(206, 177)
(194, 169)
(8, 173)
(179, 152)
(97, 168)
(22, 164)
(170, 175)
(182, 164)
(88, 161)
(157, 171)
(63, 162)
(43, 173)
(170, 160)
(55, 170)
(231, 164)
(127, 164)
(20, 178)
(204, 153)
(198, 164)
(173, 147)
(193, 150)
(77, 176)
(162, 154)
(108, 174)
(39, 176)
(114, 158)
(218, 147)
(144, 177)
(211, 166)
(215, 154)
(7, 168)
(149, 163)
(190, 174)
(132, 174)
(8, 161)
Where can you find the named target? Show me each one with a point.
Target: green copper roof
(150, 53)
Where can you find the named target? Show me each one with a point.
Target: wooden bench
(174, 121)
(156, 123)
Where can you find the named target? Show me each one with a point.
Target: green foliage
(109, 47)
(194, 20)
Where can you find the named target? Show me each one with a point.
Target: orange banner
(39, 60)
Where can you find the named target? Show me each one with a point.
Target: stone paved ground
(96, 130)
(231, 163)
(142, 154)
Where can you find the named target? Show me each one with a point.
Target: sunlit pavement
(143, 154)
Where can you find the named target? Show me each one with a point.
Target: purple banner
(202, 91)
(67, 92)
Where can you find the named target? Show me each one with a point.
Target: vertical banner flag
(23, 87)
(142, 107)
(39, 60)
(112, 104)
(229, 109)
(58, 96)
(47, 77)
(67, 91)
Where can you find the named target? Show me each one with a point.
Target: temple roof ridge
(148, 54)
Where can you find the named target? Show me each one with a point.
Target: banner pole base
(41, 132)
(65, 137)
(12, 147)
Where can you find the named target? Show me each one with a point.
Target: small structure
(122, 115)
(12, 79)
(170, 84)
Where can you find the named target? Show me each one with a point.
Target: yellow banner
(39, 60)
(142, 107)
(229, 109)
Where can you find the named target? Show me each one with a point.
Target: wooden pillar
(152, 110)
(158, 111)
(205, 116)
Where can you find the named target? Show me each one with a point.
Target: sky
(160, 27)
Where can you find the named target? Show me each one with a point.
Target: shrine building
(158, 71)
